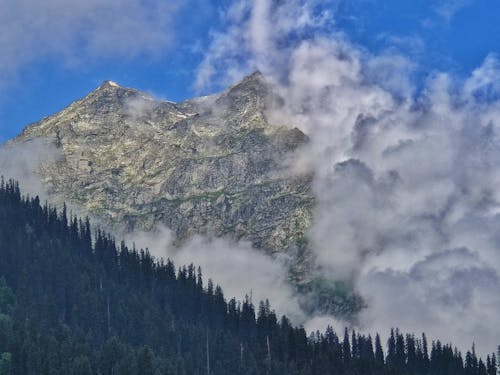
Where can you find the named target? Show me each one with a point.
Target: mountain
(211, 165)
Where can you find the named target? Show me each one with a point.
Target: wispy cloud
(23, 161)
(70, 33)
(447, 9)
(248, 36)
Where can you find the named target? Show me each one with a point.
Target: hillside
(73, 302)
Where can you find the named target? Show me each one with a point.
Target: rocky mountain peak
(109, 84)
(254, 82)
(138, 162)
(247, 102)
(111, 88)
(110, 91)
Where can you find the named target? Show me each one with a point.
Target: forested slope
(75, 302)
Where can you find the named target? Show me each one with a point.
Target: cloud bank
(407, 182)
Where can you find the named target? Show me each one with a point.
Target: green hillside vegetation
(73, 301)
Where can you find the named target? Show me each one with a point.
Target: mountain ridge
(198, 168)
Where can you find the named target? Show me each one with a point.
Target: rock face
(211, 165)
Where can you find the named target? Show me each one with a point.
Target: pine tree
(354, 346)
(379, 352)
(491, 365)
(411, 353)
(425, 353)
(391, 350)
(346, 347)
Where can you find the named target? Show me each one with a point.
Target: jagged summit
(247, 101)
(107, 84)
(254, 84)
(110, 84)
(112, 88)
(213, 166)
(255, 79)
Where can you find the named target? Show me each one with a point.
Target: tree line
(74, 301)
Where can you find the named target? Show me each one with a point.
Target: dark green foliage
(76, 303)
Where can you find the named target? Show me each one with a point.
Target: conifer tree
(379, 352)
(346, 348)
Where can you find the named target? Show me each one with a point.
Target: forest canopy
(73, 301)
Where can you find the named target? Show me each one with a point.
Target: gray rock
(211, 165)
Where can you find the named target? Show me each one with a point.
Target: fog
(22, 162)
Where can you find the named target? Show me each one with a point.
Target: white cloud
(248, 37)
(448, 289)
(80, 32)
(22, 161)
(407, 188)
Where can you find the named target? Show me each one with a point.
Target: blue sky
(159, 48)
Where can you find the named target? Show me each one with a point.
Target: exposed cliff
(209, 165)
